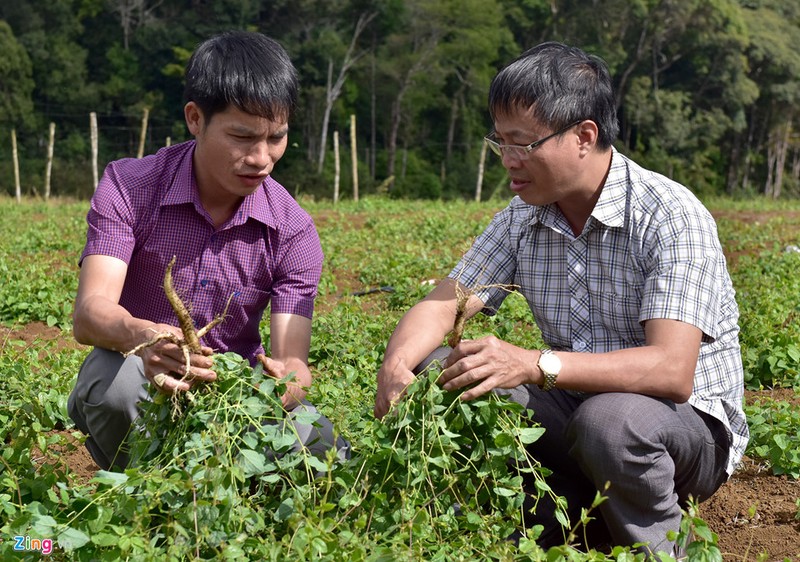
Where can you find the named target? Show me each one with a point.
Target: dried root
(462, 298)
(190, 343)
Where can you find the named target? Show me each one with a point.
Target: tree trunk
(373, 103)
(781, 150)
(451, 129)
(769, 184)
(326, 115)
(334, 89)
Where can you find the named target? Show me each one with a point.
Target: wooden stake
(143, 133)
(93, 137)
(337, 167)
(15, 158)
(354, 156)
(481, 163)
(49, 169)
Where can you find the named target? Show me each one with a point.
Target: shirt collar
(184, 190)
(610, 207)
(256, 206)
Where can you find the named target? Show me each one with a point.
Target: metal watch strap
(549, 376)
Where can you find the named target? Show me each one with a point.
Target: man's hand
(296, 389)
(391, 387)
(167, 358)
(488, 363)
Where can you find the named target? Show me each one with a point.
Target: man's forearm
(108, 325)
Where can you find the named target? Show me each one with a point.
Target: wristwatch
(550, 365)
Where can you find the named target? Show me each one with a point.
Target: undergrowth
(223, 481)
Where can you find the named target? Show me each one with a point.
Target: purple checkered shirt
(268, 253)
(649, 250)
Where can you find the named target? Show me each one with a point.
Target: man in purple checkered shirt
(234, 230)
(641, 384)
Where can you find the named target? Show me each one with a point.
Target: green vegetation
(430, 482)
(707, 90)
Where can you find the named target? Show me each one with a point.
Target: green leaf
(305, 417)
(105, 539)
(70, 539)
(285, 510)
(110, 478)
(252, 462)
(505, 492)
(529, 435)
(782, 441)
(43, 525)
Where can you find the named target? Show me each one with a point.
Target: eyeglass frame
(500, 149)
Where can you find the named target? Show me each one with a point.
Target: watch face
(550, 363)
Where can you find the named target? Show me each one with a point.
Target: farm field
(381, 256)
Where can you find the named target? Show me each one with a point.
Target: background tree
(707, 89)
(774, 63)
(16, 82)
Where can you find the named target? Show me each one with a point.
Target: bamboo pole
(143, 133)
(15, 158)
(337, 167)
(49, 169)
(481, 163)
(93, 137)
(354, 156)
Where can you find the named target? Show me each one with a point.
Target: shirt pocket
(619, 307)
(247, 307)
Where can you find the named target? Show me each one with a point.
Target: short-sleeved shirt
(650, 249)
(145, 211)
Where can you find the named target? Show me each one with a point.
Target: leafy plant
(774, 435)
(417, 485)
(699, 541)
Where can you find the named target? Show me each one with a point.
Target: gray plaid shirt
(649, 250)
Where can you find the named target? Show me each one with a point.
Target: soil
(754, 513)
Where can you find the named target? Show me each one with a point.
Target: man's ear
(194, 118)
(588, 134)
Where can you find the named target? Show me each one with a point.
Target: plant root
(190, 343)
(463, 294)
(462, 298)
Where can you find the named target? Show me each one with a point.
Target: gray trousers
(105, 402)
(653, 452)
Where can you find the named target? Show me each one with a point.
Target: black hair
(561, 84)
(245, 69)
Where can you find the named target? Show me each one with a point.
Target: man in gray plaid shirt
(641, 384)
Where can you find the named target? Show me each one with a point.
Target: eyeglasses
(519, 151)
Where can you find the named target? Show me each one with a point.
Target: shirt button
(579, 345)
(203, 282)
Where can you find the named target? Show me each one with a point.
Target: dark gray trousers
(105, 402)
(653, 452)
